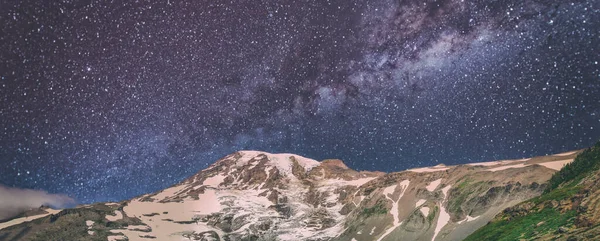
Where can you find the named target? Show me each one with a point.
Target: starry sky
(106, 100)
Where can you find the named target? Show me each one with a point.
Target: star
(95, 97)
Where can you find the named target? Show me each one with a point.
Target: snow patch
(268, 171)
(247, 156)
(170, 192)
(425, 211)
(341, 182)
(280, 160)
(444, 217)
(214, 181)
(433, 185)
(89, 224)
(118, 215)
(429, 169)
(468, 219)
(116, 238)
(389, 190)
(307, 163)
(556, 165)
(507, 167)
(330, 185)
(394, 211)
(164, 226)
(207, 203)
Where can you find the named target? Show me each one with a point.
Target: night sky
(105, 100)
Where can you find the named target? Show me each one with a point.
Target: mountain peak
(282, 161)
(251, 194)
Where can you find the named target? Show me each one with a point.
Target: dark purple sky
(106, 100)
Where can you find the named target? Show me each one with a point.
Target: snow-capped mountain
(251, 195)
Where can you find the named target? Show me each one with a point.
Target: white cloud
(15, 200)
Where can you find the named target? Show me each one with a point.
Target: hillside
(252, 195)
(568, 210)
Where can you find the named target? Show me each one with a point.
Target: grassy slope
(529, 227)
(539, 217)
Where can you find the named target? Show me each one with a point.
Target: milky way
(107, 100)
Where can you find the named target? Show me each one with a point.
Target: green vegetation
(432, 214)
(573, 172)
(539, 218)
(462, 192)
(70, 225)
(465, 181)
(557, 194)
(525, 227)
(377, 209)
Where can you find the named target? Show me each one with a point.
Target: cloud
(15, 200)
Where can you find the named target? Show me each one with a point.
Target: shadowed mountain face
(252, 195)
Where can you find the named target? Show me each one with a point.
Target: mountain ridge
(252, 195)
(567, 210)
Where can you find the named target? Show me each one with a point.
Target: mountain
(251, 195)
(569, 209)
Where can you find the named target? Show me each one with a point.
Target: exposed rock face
(252, 195)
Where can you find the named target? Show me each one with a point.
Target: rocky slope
(568, 210)
(252, 195)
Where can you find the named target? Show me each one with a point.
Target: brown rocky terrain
(252, 195)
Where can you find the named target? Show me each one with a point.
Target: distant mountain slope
(568, 210)
(251, 195)
(446, 203)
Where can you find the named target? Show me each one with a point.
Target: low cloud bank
(15, 200)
